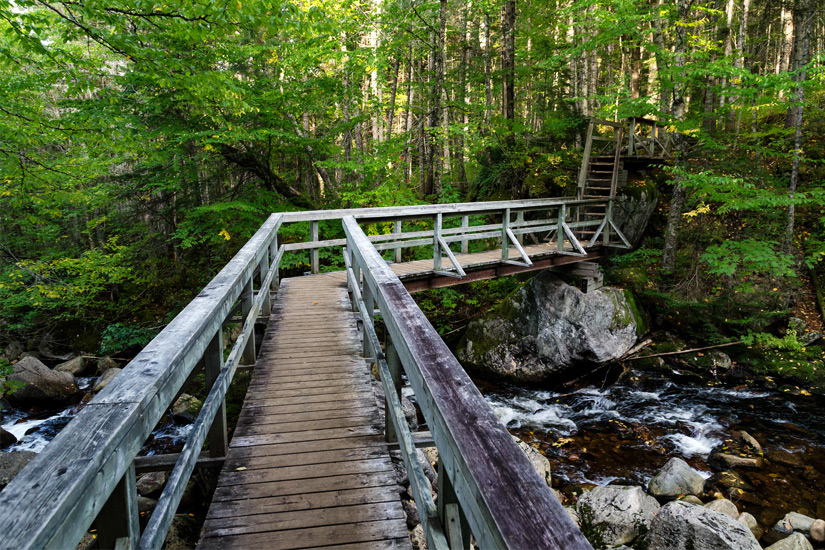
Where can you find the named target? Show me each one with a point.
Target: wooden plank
(317, 457)
(302, 519)
(342, 444)
(313, 435)
(310, 398)
(313, 471)
(316, 536)
(280, 409)
(305, 486)
(259, 428)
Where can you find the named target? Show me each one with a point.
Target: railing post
(369, 305)
(632, 138)
(356, 275)
(212, 365)
(465, 223)
(266, 307)
(394, 364)
(519, 223)
(452, 517)
(560, 228)
(119, 519)
(273, 253)
(436, 243)
(609, 215)
(247, 300)
(313, 253)
(505, 240)
(396, 229)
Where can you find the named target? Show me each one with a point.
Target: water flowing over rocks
(676, 478)
(682, 526)
(39, 383)
(547, 327)
(618, 513)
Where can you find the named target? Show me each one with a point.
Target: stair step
(598, 188)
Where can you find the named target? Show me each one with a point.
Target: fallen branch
(685, 351)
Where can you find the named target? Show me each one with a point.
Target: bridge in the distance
(308, 464)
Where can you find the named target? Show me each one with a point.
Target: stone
(429, 471)
(187, 407)
(146, 504)
(799, 522)
(12, 463)
(724, 506)
(410, 414)
(632, 212)
(786, 458)
(692, 499)
(432, 455)
(574, 515)
(750, 522)
(79, 366)
(105, 379)
(411, 513)
(682, 526)
(719, 360)
(418, 538)
(152, 483)
(619, 513)
(730, 480)
(818, 530)
(675, 479)
(797, 325)
(725, 461)
(105, 364)
(809, 338)
(547, 327)
(751, 442)
(796, 541)
(40, 384)
(6, 439)
(12, 351)
(537, 460)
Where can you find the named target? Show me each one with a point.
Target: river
(624, 431)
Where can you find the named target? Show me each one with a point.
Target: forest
(142, 143)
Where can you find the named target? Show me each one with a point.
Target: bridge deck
(308, 466)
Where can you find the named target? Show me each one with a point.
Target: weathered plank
(307, 461)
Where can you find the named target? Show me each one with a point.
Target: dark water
(626, 431)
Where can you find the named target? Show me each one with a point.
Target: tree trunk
(393, 91)
(508, 43)
(488, 80)
(465, 100)
(444, 164)
(803, 46)
(678, 86)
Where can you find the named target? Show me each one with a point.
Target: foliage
(766, 341)
(119, 338)
(748, 256)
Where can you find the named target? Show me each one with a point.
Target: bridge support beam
(212, 366)
(456, 527)
(247, 301)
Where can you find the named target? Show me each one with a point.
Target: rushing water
(626, 431)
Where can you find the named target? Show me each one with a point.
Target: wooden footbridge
(309, 464)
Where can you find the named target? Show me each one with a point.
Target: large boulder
(675, 479)
(618, 513)
(547, 327)
(79, 366)
(632, 212)
(797, 541)
(682, 526)
(6, 439)
(12, 463)
(38, 383)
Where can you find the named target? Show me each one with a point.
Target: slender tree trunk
(803, 45)
(393, 91)
(678, 86)
(508, 97)
(465, 100)
(444, 164)
(488, 78)
(408, 119)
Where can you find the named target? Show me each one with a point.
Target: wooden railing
(486, 485)
(648, 138)
(87, 473)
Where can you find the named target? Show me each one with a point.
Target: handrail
(505, 502)
(89, 467)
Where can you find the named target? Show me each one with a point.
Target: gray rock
(432, 455)
(548, 326)
(38, 383)
(574, 515)
(79, 366)
(751, 442)
(682, 526)
(429, 471)
(12, 351)
(12, 463)
(105, 379)
(720, 360)
(632, 214)
(410, 413)
(676, 478)
(146, 504)
(750, 522)
(187, 407)
(818, 530)
(105, 364)
(6, 439)
(537, 460)
(692, 499)
(724, 461)
(152, 483)
(809, 338)
(796, 541)
(411, 513)
(619, 513)
(797, 325)
(724, 506)
(799, 522)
